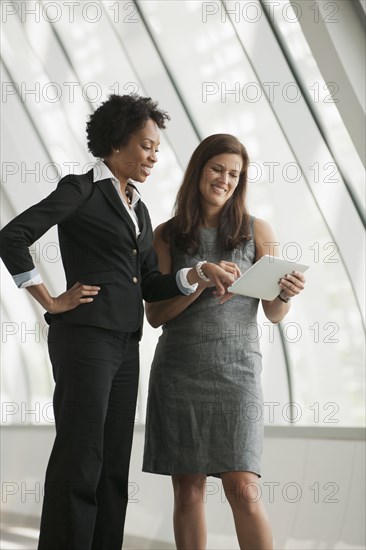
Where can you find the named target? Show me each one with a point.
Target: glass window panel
(322, 98)
(210, 72)
(325, 343)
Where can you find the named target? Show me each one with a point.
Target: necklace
(128, 196)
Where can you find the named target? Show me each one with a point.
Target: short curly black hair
(114, 122)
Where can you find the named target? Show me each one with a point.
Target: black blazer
(98, 246)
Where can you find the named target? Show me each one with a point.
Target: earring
(116, 151)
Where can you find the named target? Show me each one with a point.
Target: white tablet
(261, 280)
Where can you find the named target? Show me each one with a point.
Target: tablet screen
(261, 280)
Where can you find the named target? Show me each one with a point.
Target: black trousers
(86, 490)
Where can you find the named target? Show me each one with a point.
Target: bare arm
(158, 313)
(291, 285)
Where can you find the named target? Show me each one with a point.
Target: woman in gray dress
(205, 407)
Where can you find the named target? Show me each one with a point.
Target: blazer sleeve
(25, 229)
(155, 285)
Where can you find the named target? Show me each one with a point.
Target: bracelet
(285, 300)
(200, 272)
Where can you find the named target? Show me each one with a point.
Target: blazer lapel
(110, 193)
(141, 217)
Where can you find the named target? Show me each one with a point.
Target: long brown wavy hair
(233, 227)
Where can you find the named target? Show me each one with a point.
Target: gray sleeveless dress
(205, 406)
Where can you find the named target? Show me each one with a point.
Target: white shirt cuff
(28, 278)
(182, 282)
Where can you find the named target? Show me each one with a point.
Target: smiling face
(136, 159)
(219, 179)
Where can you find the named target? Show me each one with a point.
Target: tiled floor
(25, 537)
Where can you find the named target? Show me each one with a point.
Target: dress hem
(185, 472)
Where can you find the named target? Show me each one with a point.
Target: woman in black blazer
(105, 239)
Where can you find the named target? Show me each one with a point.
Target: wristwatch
(286, 300)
